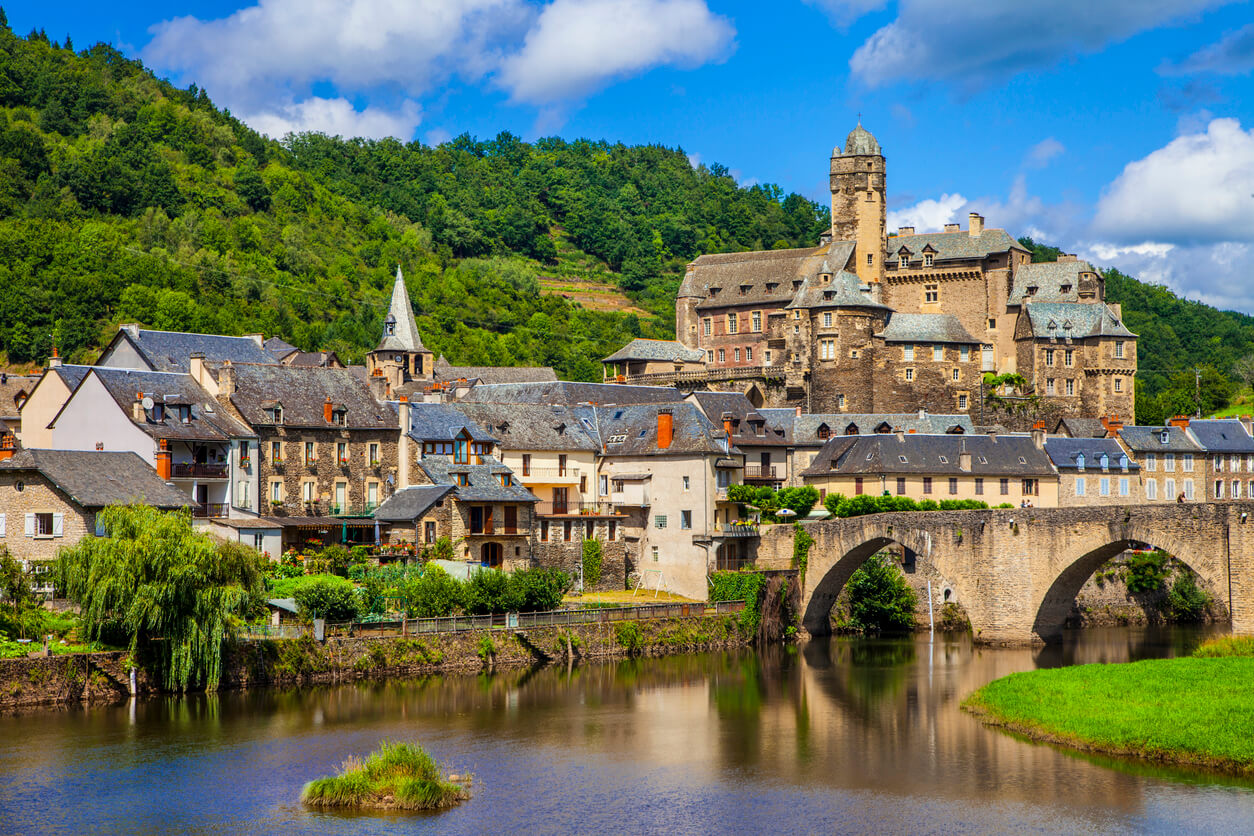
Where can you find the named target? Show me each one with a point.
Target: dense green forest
(124, 198)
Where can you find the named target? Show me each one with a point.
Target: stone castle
(873, 321)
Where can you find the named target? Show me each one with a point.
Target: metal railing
(210, 509)
(738, 531)
(577, 509)
(464, 623)
(190, 470)
(760, 472)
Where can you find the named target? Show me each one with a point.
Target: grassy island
(1192, 711)
(397, 776)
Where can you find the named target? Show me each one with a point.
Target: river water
(843, 735)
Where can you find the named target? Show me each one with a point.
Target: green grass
(1191, 711)
(1226, 646)
(396, 775)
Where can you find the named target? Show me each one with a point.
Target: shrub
(433, 594)
(1185, 600)
(490, 591)
(1226, 646)
(745, 585)
(359, 553)
(1147, 571)
(337, 558)
(879, 599)
(329, 597)
(592, 552)
(397, 774)
(627, 634)
(538, 590)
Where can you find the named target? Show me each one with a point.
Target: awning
(326, 522)
(727, 463)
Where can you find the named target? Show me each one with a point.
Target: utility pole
(1197, 380)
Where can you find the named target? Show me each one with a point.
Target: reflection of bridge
(1018, 571)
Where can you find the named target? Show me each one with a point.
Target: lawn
(626, 599)
(1196, 711)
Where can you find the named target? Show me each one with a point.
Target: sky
(1122, 130)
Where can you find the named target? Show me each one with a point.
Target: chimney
(196, 366)
(164, 463)
(900, 433)
(953, 227)
(1068, 257)
(226, 379)
(798, 410)
(964, 461)
(259, 339)
(727, 425)
(1181, 421)
(54, 362)
(8, 446)
(131, 328)
(975, 224)
(1112, 423)
(1038, 435)
(1247, 421)
(905, 230)
(403, 449)
(665, 428)
(403, 409)
(922, 414)
(137, 408)
(326, 411)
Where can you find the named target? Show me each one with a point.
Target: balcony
(209, 510)
(547, 475)
(737, 531)
(492, 529)
(762, 473)
(577, 509)
(189, 470)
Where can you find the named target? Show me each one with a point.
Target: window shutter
(30, 525)
(2, 528)
(58, 526)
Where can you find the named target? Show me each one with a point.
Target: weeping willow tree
(175, 593)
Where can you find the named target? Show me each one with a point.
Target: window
(954, 376)
(276, 452)
(307, 490)
(1219, 463)
(907, 353)
(992, 323)
(1151, 489)
(766, 355)
(1124, 486)
(1219, 489)
(1151, 461)
(722, 355)
(603, 484)
(953, 486)
(1079, 461)
(659, 521)
(1187, 462)
(1005, 487)
(827, 349)
(909, 374)
(428, 532)
(901, 486)
(756, 318)
(827, 319)
(823, 431)
(1118, 384)
(840, 401)
(310, 452)
(857, 485)
(870, 257)
(748, 354)
(1049, 357)
(964, 353)
(687, 483)
(241, 494)
(709, 355)
(931, 292)
(1236, 488)
(544, 531)
(568, 529)
(938, 353)
(341, 452)
(463, 480)
(733, 324)
(1070, 386)
(561, 464)
(736, 353)
(612, 534)
(1080, 486)
(1118, 350)
(655, 554)
(927, 484)
(276, 491)
(372, 494)
(903, 261)
(685, 520)
(962, 403)
(1068, 358)
(374, 454)
(1050, 388)
(927, 259)
(276, 415)
(1169, 462)
(44, 525)
(1169, 489)
(707, 326)
(1029, 487)
(1188, 489)
(979, 486)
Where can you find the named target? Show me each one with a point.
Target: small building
(416, 514)
(141, 349)
(993, 468)
(1094, 471)
(44, 401)
(1229, 454)
(1170, 460)
(265, 534)
(641, 356)
(764, 436)
(14, 391)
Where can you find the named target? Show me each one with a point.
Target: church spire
(400, 330)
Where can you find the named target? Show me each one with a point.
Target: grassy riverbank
(396, 776)
(1195, 711)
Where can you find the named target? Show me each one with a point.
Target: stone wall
(616, 561)
(326, 469)
(39, 496)
(67, 680)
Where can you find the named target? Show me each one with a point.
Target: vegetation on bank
(769, 502)
(399, 776)
(876, 599)
(839, 505)
(1194, 711)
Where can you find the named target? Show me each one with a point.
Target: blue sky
(1119, 129)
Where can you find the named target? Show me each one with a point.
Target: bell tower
(400, 357)
(859, 213)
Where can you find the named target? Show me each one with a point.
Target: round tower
(859, 212)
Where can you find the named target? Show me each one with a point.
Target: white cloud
(1216, 274)
(1042, 152)
(984, 43)
(928, 215)
(578, 46)
(1199, 188)
(1233, 54)
(336, 117)
(844, 12)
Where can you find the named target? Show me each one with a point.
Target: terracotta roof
(95, 479)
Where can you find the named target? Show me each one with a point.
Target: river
(844, 735)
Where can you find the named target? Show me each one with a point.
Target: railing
(738, 531)
(188, 470)
(495, 529)
(577, 509)
(210, 509)
(631, 500)
(463, 623)
(760, 471)
(729, 373)
(732, 564)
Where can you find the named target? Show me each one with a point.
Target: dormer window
(927, 259)
(1163, 436)
(714, 291)
(340, 417)
(796, 285)
(463, 480)
(158, 412)
(1079, 461)
(744, 289)
(1123, 462)
(1064, 289)
(276, 414)
(903, 261)
(1031, 290)
(184, 413)
(1105, 461)
(824, 431)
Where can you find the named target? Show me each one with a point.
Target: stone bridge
(1018, 571)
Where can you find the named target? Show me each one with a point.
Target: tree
(879, 598)
(1243, 370)
(174, 592)
(327, 596)
(14, 582)
(433, 594)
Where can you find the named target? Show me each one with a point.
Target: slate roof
(535, 426)
(844, 291)
(806, 426)
(411, 503)
(96, 479)
(631, 430)
(860, 142)
(1074, 319)
(1220, 435)
(279, 347)
(667, 350)
(71, 375)
(1006, 455)
(960, 245)
(926, 328)
(11, 388)
(494, 374)
(776, 424)
(171, 351)
(1065, 453)
(1081, 428)
(404, 336)
(1149, 440)
(302, 391)
(767, 275)
(209, 421)
(443, 422)
(570, 393)
(1048, 277)
(484, 486)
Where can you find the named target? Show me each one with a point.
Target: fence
(462, 623)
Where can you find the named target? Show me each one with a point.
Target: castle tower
(858, 208)
(686, 300)
(400, 357)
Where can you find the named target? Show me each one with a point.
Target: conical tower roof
(400, 329)
(861, 143)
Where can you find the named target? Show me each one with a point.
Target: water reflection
(839, 735)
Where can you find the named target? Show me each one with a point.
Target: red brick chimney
(665, 428)
(1113, 423)
(1181, 421)
(326, 411)
(165, 465)
(8, 446)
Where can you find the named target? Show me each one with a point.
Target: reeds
(396, 775)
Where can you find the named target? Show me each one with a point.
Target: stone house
(1172, 463)
(641, 356)
(763, 436)
(417, 514)
(49, 498)
(992, 468)
(167, 418)
(810, 432)
(44, 401)
(1094, 471)
(1228, 453)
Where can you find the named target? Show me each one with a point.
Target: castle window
(853, 355)
(1031, 290)
(962, 402)
(938, 353)
(748, 353)
(1118, 384)
(707, 325)
(722, 355)
(992, 323)
(766, 357)
(840, 401)
(1070, 386)
(907, 353)
(1064, 289)
(964, 353)
(956, 374)
(1049, 387)
(1119, 350)
(733, 325)
(757, 320)
(903, 261)
(931, 292)
(827, 349)
(1049, 357)
(870, 257)
(709, 355)
(1068, 357)
(927, 259)
(736, 354)
(909, 374)
(827, 319)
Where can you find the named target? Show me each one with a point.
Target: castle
(870, 321)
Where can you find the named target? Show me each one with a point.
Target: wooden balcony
(210, 510)
(763, 473)
(190, 470)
